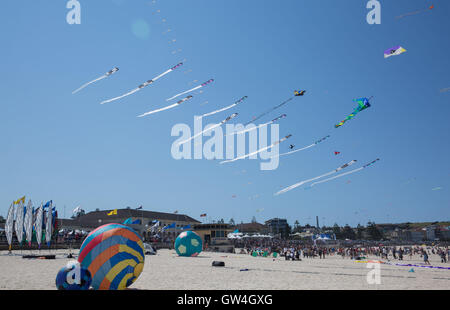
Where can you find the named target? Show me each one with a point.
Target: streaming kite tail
(158, 110)
(88, 83)
(338, 176)
(188, 91)
(120, 97)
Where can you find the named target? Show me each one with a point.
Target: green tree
(231, 222)
(359, 231)
(373, 231)
(337, 231)
(348, 232)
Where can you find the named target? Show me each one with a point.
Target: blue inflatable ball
(188, 243)
(73, 277)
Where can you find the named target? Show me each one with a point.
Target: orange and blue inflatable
(114, 255)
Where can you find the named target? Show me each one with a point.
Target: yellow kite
(19, 200)
(113, 212)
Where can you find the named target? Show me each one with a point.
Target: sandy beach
(168, 271)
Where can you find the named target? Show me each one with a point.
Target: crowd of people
(298, 250)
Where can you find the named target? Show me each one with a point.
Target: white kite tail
(161, 75)
(338, 176)
(188, 91)
(210, 128)
(200, 133)
(251, 129)
(159, 110)
(289, 188)
(256, 152)
(120, 97)
(295, 151)
(220, 110)
(88, 83)
(9, 224)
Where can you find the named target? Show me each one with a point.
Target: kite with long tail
(191, 90)
(415, 12)
(296, 94)
(289, 188)
(260, 126)
(142, 85)
(168, 107)
(363, 103)
(256, 152)
(302, 149)
(210, 128)
(226, 108)
(347, 173)
(97, 79)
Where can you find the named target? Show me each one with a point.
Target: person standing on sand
(425, 258)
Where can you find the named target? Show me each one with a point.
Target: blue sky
(73, 150)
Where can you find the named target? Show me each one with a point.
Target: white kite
(344, 174)
(257, 127)
(168, 107)
(18, 225)
(142, 85)
(38, 224)
(210, 128)
(302, 149)
(191, 90)
(226, 108)
(9, 225)
(256, 152)
(289, 188)
(97, 79)
(28, 222)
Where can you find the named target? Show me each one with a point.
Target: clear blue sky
(73, 150)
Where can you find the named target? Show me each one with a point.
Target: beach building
(214, 236)
(253, 228)
(143, 221)
(277, 226)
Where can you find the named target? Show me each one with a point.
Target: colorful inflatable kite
(363, 103)
(114, 255)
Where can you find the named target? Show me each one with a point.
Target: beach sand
(167, 271)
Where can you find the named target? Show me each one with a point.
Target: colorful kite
(302, 149)
(337, 153)
(347, 173)
(226, 108)
(395, 51)
(289, 188)
(98, 79)
(299, 93)
(191, 90)
(363, 103)
(143, 85)
(296, 93)
(260, 126)
(210, 128)
(256, 152)
(168, 107)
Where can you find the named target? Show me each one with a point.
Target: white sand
(169, 272)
